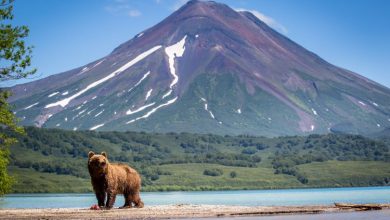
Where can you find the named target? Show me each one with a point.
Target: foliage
(213, 172)
(61, 152)
(7, 122)
(320, 148)
(15, 57)
(233, 174)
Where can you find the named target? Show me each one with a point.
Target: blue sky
(67, 34)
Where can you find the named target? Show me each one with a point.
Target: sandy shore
(166, 212)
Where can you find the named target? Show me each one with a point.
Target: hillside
(207, 68)
(54, 160)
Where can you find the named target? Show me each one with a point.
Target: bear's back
(124, 170)
(125, 176)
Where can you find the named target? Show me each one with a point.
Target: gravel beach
(169, 212)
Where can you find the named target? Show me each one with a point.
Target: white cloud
(266, 19)
(123, 8)
(134, 13)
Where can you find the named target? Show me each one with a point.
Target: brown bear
(111, 179)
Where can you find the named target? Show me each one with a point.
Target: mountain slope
(207, 68)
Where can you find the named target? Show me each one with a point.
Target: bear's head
(97, 164)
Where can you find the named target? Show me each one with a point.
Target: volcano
(207, 69)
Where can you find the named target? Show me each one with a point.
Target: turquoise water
(283, 197)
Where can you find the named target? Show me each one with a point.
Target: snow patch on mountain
(65, 93)
(140, 57)
(81, 112)
(30, 106)
(96, 127)
(314, 111)
(129, 112)
(148, 94)
(173, 51)
(53, 94)
(99, 113)
(85, 69)
(206, 108)
(140, 81)
(153, 110)
(211, 113)
(362, 103)
(88, 113)
(97, 64)
(167, 94)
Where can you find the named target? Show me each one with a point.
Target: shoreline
(174, 211)
(218, 189)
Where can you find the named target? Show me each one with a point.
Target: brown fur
(109, 179)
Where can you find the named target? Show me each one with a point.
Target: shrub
(249, 151)
(213, 172)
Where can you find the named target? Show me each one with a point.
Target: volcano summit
(207, 69)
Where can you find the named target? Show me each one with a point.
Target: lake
(280, 197)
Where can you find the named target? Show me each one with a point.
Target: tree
(15, 58)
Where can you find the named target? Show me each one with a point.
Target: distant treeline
(65, 152)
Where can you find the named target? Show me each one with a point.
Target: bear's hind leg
(127, 201)
(137, 200)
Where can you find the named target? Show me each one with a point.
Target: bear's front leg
(110, 200)
(101, 197)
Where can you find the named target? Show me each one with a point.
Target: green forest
(54, 160)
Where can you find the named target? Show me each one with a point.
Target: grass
(190, 177)
(31, 181)
(346, 173)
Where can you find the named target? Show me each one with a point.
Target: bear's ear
(90, 154)
(104, 154)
